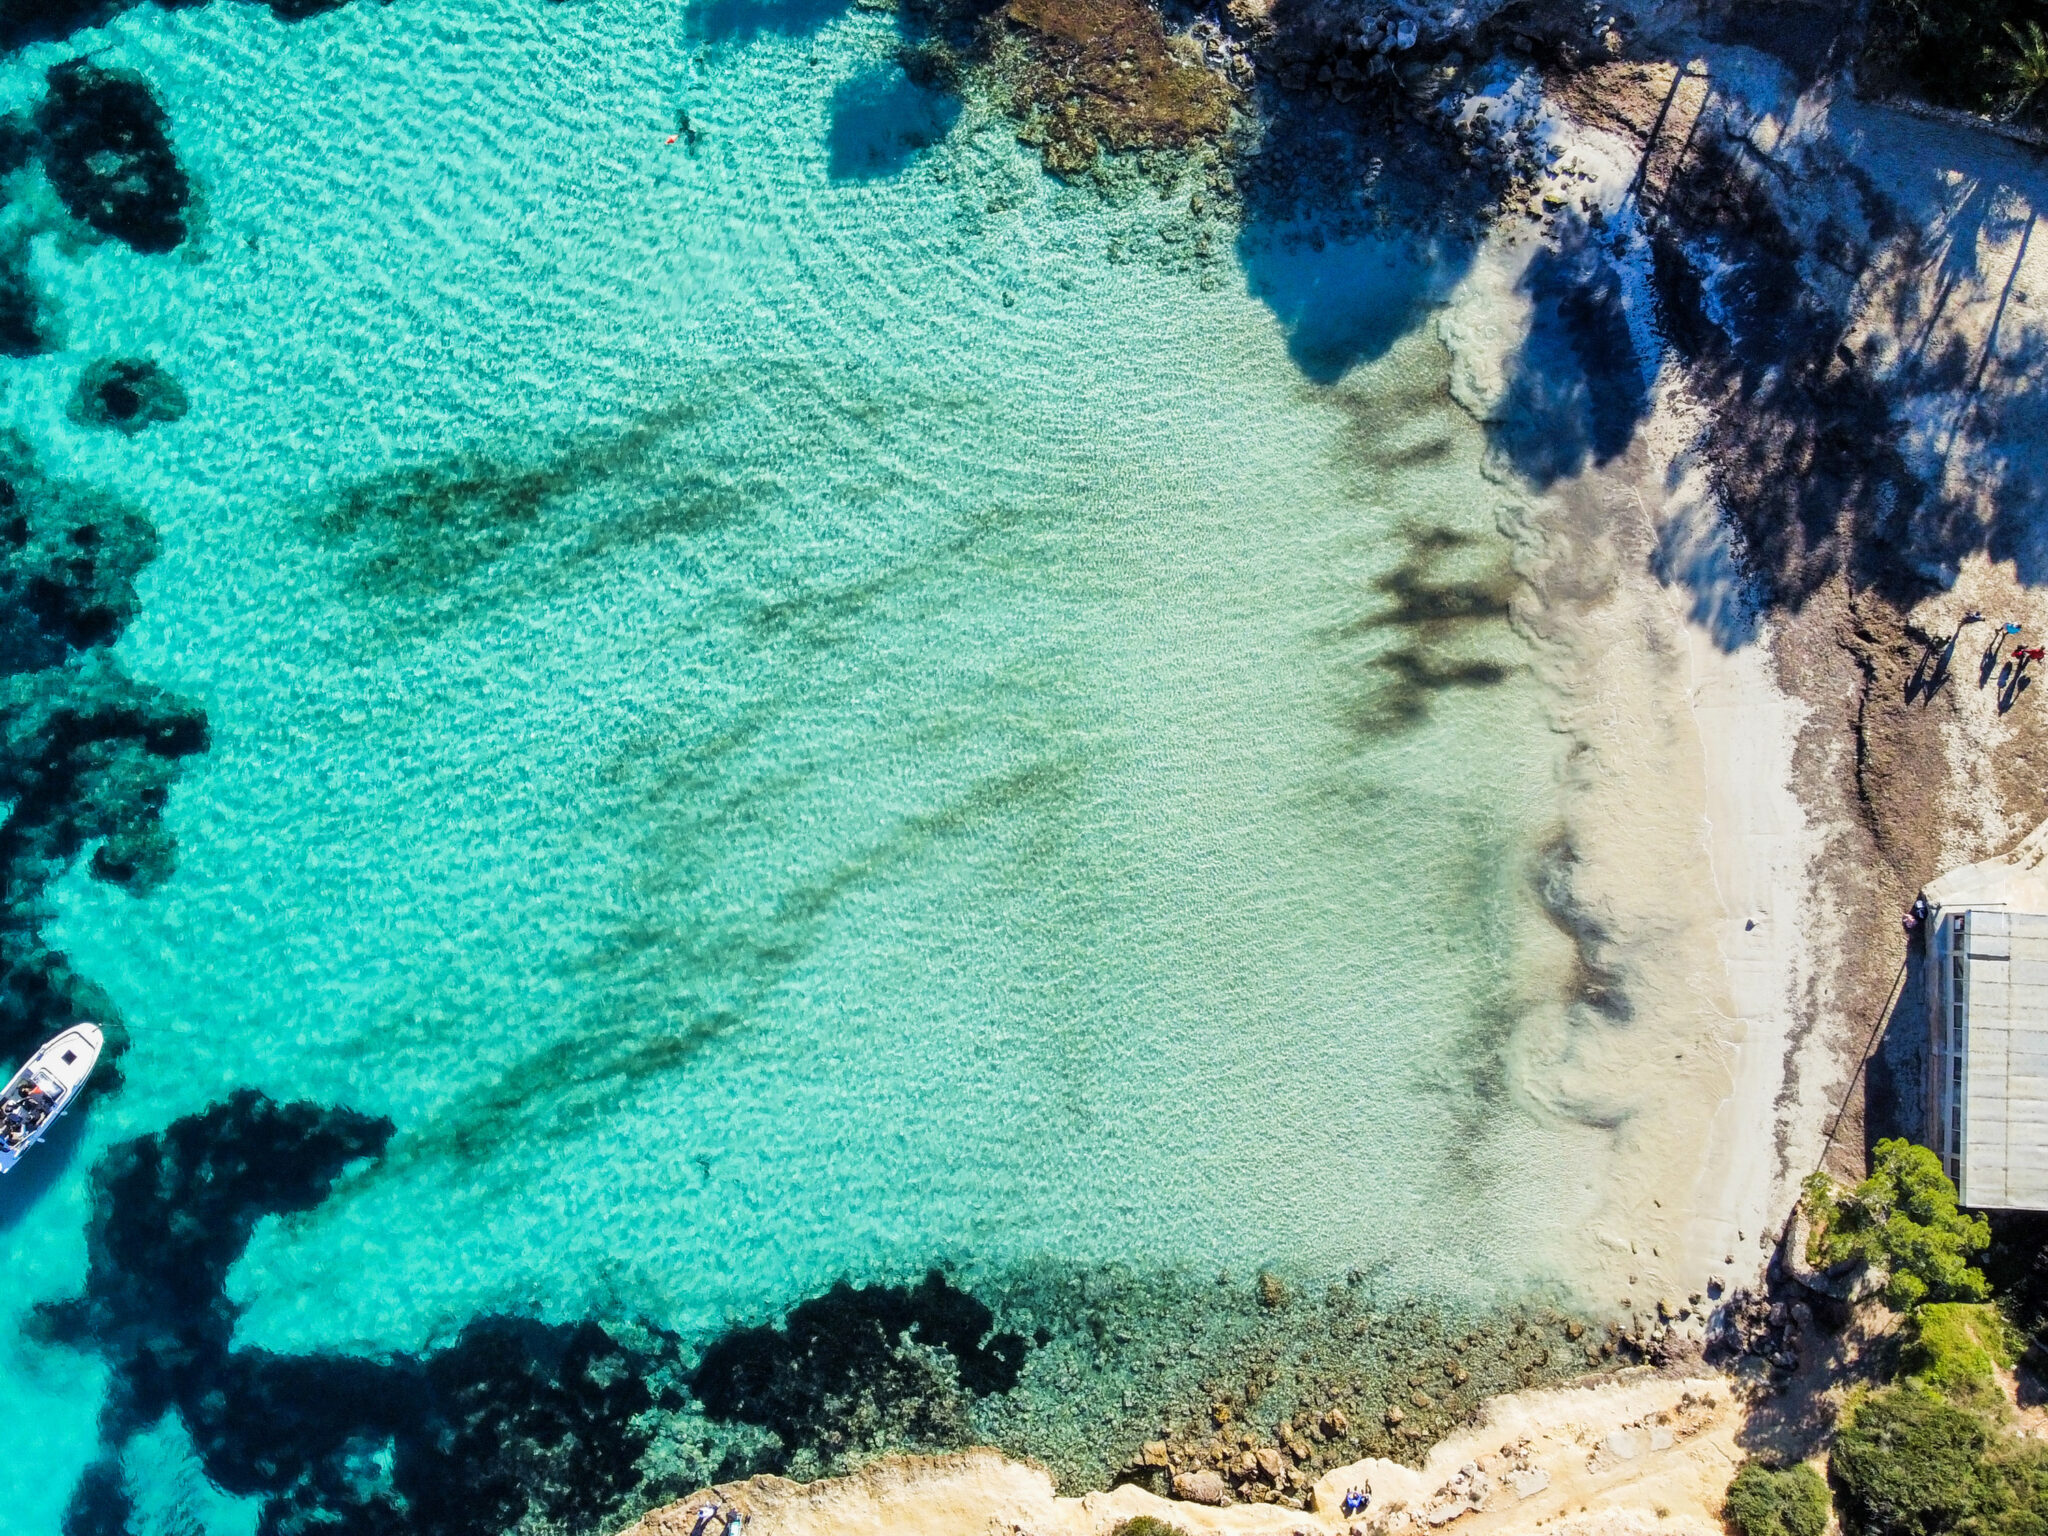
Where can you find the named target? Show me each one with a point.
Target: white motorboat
(41, 1091)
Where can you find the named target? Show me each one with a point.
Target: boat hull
(59, 1069)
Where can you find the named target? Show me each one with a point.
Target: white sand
(1695, 859)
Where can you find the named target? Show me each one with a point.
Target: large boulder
(1203, 1487)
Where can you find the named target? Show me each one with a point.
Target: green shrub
(1982, 55)
(1910, 1463)
(1147, 1525)
(1907, 1462)
(1765, 1501)
(1903, 1217)
(1954, 1346)
(2012, 1492)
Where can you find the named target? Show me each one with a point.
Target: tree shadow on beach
(1822, 477)
(1576, 389)
(1802, 449)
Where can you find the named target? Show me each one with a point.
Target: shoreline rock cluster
(1237, 1457)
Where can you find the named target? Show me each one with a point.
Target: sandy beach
(1776, 746)
(1687, 867)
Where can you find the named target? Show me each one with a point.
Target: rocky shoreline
(1639, 1446)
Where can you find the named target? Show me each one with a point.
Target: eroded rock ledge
(1637, 1452)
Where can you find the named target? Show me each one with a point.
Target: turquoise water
(806, 703)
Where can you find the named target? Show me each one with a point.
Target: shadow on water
(1332, 266)
(44, 1168)
(1341, 303)
(1353, 211)
(881, 119)
(720, 21)
(1425, 635)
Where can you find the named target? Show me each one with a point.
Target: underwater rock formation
(863, 1366)
(173, 1212)
(106, 147)
(127, 394)
(25, 320)
(41, 21)
(17, 142)
(37, 21)
(518, 1424)
(1275, 1416)
(87, 754)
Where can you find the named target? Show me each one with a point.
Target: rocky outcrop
(1082, 77)
(1848, 1282)
(106, 147)
(127, 394)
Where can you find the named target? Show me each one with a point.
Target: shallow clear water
(794, 706)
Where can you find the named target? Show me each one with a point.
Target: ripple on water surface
(786, 713)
